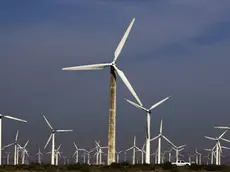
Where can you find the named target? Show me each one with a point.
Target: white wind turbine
(39, 154)
(142, 153)
(76, 153)
(218, 146)
(99, 150)
(159, 136)
(148, 112)
(24, 151)
(212, 153)
(8, 117)
(8, 158)
(134, 147)
(178, 149)
(52, 135)
(57, 154)
(169, 154)
(112, 111)
(198, 157)
(118, 156)
(190, 157)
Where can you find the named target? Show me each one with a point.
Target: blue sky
(176, 47)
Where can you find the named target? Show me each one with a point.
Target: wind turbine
(134, 147)
(118, 155)
(8, 117)
(76, 153)
(112, 111)
(39, 154)
(148, 111)
(218, 146)
(169, 154)
(88, 155)
(52, 135)
(198, 159)
(57, 154)
(24, 151)
(8, 157)
(100, 150)
(159, 136)
(142, 153)
(212, 152)
(178, 149)
(190, 157)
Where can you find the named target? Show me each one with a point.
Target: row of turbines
(97, 152)
(112, 154)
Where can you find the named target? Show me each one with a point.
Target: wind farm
(168, 109)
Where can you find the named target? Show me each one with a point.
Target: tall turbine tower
(52, 135)
(8, 117)
(112, 111)
(148, 111)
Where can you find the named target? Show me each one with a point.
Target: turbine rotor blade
(48, 141)
(47, 122)
(161, 126)
(225, 140)
(61, 131)
(75, 145)
(225, 147)
(158, 103)
(123, 40)
(88, 67)
(136, 105)
(181, 146)
(222, 135)
(97, 144)
(154, 138)
(26, 144)
(129, 148)
(168, 140)
(16, 119)
(222, 127)
(210, 138)
(8, 145)
(16, 137)
(128, 85)
(59, 147)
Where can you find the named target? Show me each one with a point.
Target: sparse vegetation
(114, 167)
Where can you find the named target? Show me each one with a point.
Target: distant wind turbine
(52, 136)
(159, 136)
(8, 117)
(148, 111)
(39, 154)
(134, 147)
(112, 111)
(218, 146)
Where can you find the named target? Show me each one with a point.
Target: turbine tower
(112, 111)
(8, 117)
(148, 111)
(52, 135)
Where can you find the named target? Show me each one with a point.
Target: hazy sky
(176, 47)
